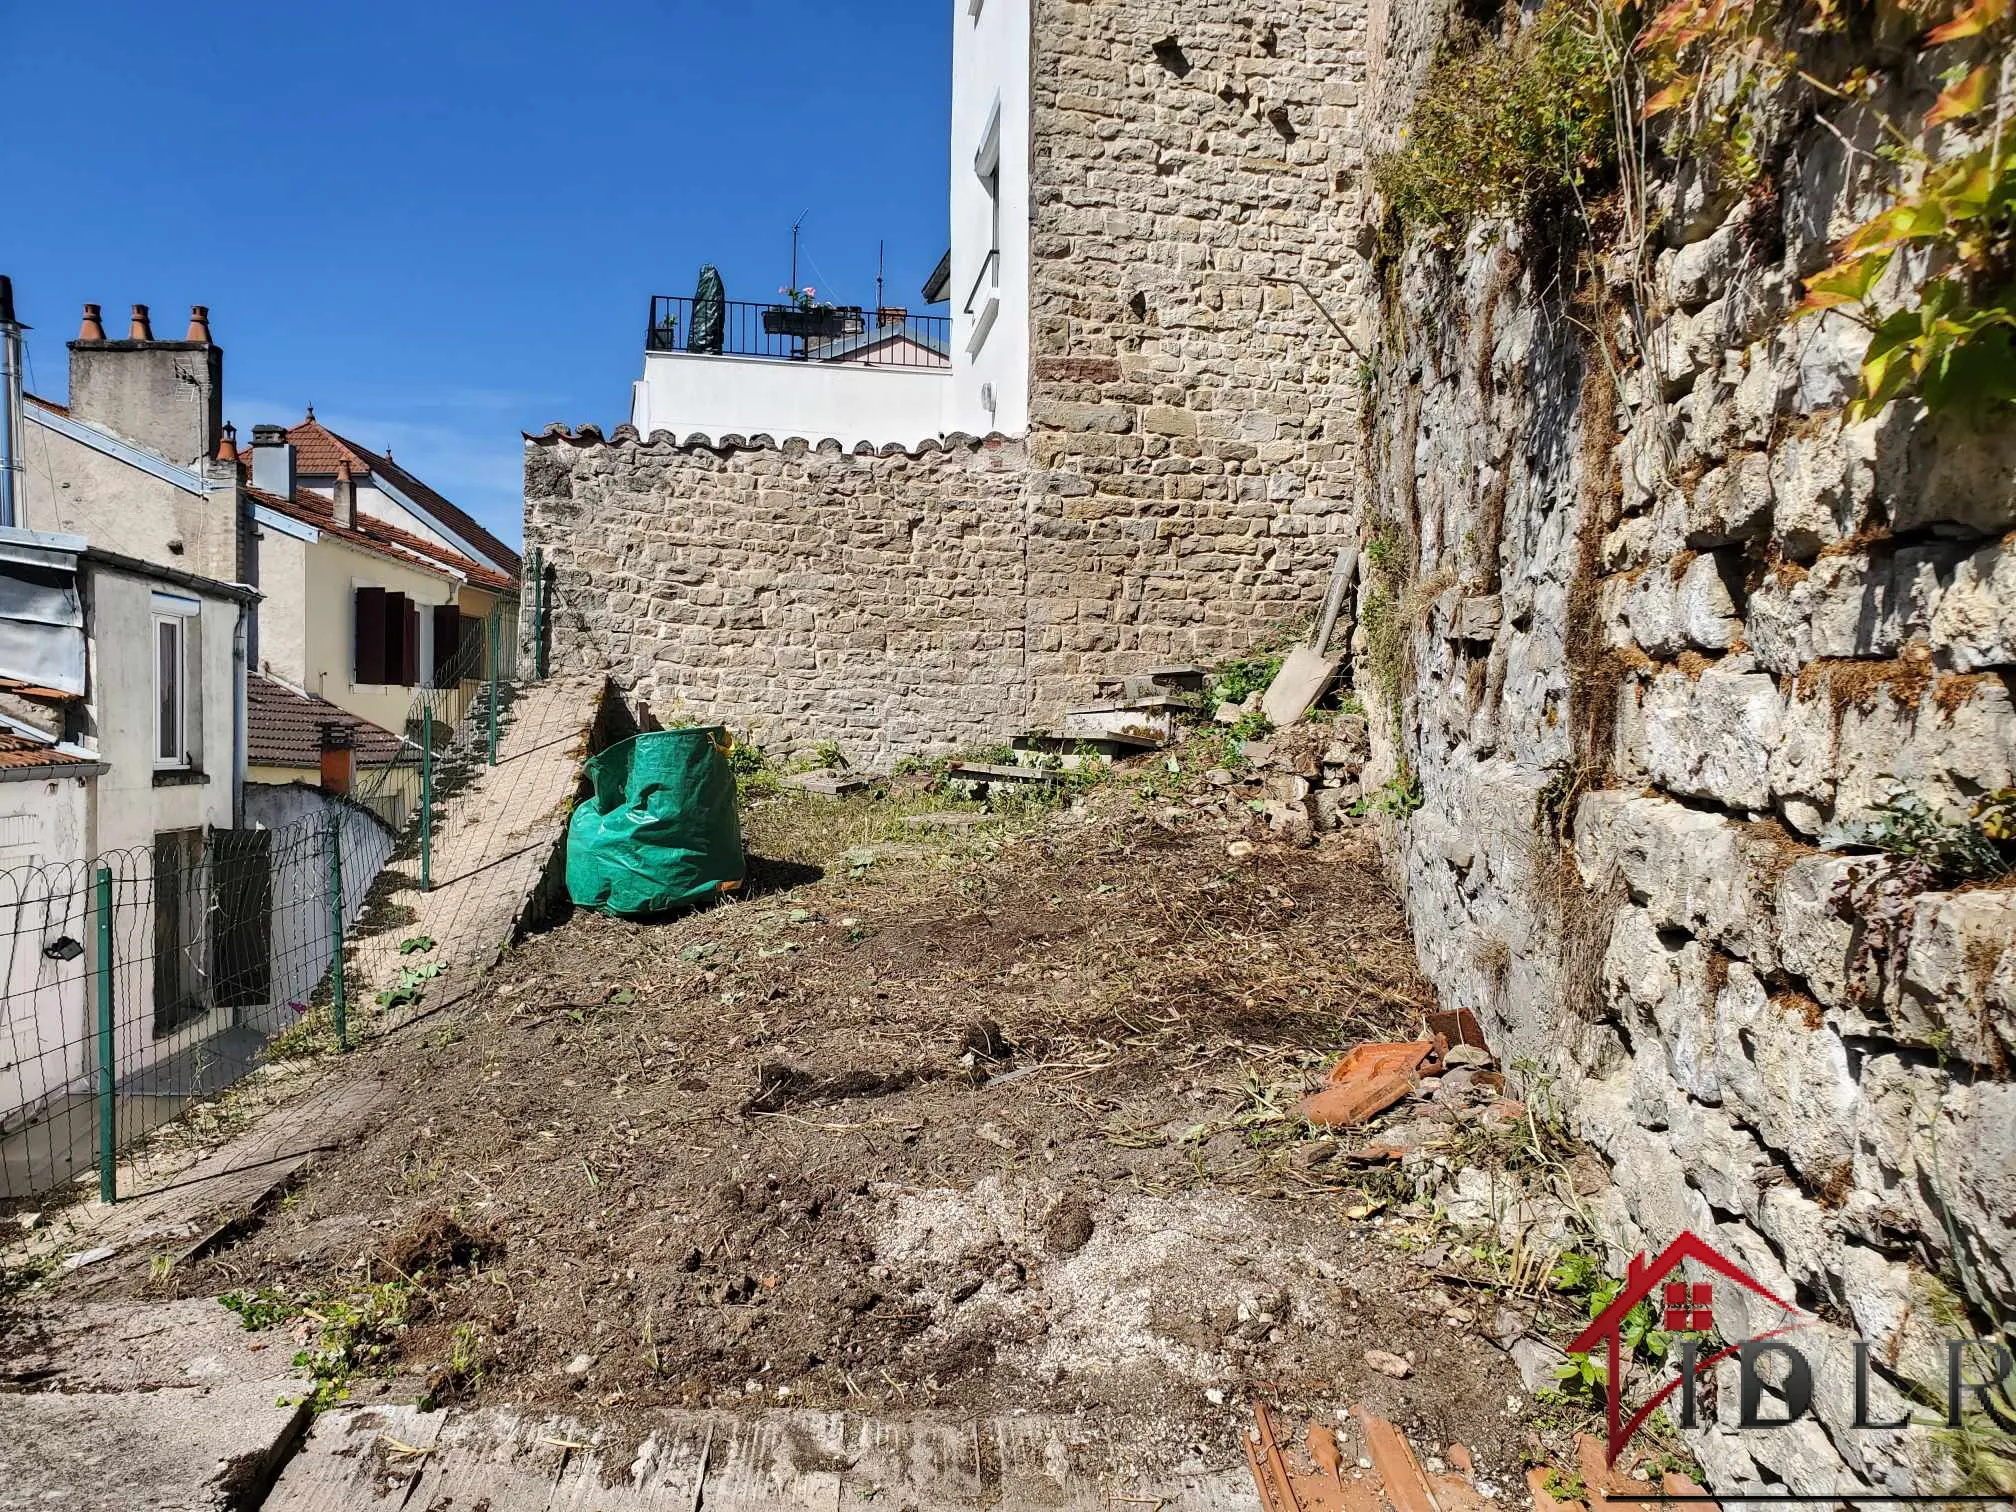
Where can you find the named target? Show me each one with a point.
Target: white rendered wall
(819, 401)
(990, 63)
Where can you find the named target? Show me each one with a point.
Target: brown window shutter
(411, 670)
(447, 642)
(370, 610)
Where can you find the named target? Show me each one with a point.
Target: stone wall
(1667, 629)
(798, 594)
(1190, 468)
(1193, 409)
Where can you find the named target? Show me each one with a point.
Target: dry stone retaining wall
(1665, 640)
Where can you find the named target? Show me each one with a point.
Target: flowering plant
(801, 298)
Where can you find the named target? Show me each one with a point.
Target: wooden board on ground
(235, 1179)
(362, 1457)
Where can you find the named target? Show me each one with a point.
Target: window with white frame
(175, 623)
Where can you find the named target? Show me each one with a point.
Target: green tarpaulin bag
(660, 830)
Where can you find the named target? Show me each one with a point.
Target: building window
(387, 638)
(174, 617)
(983, 301)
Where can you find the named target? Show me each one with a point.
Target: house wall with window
(310, 631)
(163, 704)
(990, 216)
(163, 708)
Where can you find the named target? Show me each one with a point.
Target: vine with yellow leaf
(1952, 227)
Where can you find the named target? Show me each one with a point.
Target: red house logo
(1685, 1307)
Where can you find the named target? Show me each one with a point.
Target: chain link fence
(137, 983)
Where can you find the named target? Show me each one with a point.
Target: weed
(416, 945)
(1236, 681)
(354, 1333)
(463, 1372)
(410, 986)
(1503, 127)
(1921, 851)
(1981, 847)
(1399, 795)
(755, 773)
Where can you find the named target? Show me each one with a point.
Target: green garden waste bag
(660, 830)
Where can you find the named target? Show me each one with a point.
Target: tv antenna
(794, 247)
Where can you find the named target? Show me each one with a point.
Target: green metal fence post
(108, 1088)
(491, 628)
(538, 613)
(338, 1008)
(427, 797)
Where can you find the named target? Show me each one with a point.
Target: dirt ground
(951, 1113)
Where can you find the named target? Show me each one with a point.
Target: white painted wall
(990, 68)
(131, 807)
(683, 393)
(299, 816)
(44, 1045)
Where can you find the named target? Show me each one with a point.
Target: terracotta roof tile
(380, 538)
(18, 751)
(318, 450)
(283, 727)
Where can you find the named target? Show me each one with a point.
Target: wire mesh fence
(137, 983)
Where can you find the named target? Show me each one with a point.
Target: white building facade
(891, 375)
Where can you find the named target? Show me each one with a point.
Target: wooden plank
(766, 1462)
(357, 1457)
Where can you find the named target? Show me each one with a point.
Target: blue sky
(440, 221)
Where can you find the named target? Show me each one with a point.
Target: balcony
(833, 373)
(835, 334)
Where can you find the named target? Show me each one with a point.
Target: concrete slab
(828, 784)
(1305, 673)
(137, 1407)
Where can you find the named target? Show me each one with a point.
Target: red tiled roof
(18, 751)
(48, 404)
(379, 538)
(283, 727)
(318, 450)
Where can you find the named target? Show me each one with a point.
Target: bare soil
(976, 1119)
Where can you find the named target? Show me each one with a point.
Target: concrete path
(144, 1407)
(493, 841)
(399, 1457)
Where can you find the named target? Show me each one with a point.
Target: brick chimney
(164, 396)
(273, 461)
(343, 497)
(339, 758)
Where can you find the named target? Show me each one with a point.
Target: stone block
(1163, 420)
(1711, 737)
(1786, 1077)
(1958, 984)
(1690, 870)
(1975, 622)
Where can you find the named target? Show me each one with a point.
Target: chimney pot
(199, 323)
(343, 497)
(339, 758)
(227, 447)
(93, 328)
(143, 328)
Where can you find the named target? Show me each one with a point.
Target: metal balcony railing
(840, 335)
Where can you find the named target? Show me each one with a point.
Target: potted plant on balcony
(809, 317)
